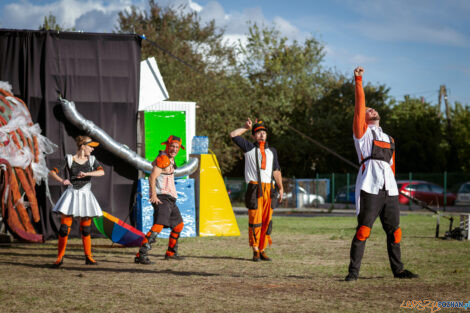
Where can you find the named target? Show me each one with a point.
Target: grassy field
(310, 258)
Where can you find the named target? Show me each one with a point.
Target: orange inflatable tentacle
(30, 176)
(13, 218)
(31, 148)
(17, 227)
(15, 189)
(4, 189)
(29, 193)
(5, 93)
(15, 139)
(5, 183)
(24, 104)
(6, 101)
(36, 149)
(2, 120)
(17, 181)
(22, 137)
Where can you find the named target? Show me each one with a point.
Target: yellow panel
(216, 217)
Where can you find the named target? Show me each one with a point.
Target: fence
(338, 188)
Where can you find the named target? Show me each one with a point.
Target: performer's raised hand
(248, 124)
(358, 71)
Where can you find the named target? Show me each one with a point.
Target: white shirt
(250, 150)
(373, 174)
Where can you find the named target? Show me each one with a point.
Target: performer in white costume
(77, 200)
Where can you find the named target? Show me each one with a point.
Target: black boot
(256, 256)
(351, 277)
(142, 256)
(174, 256)
(264, 257)
(89, 260)
(405, 274)
(57, 264)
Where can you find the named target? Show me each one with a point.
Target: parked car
(236, 191)
(427, 192)
(346, 196)
(463, 195)
(306, 199)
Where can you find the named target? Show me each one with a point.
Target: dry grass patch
(310, 258)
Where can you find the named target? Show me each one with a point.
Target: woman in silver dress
(77, 200)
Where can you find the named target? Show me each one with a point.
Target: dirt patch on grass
(306, 274)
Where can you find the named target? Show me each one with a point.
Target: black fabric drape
(100, 73)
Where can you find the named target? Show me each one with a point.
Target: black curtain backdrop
(100, 73)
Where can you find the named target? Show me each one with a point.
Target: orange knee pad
(363, 233)
(178, 228)
(397, 235)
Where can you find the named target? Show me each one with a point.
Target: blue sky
(410, 46)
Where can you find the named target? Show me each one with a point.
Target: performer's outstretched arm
(359, 124)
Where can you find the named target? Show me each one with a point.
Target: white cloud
(90, 15)
(234, 39)
(195, 6)
(286, 28)
(214, 11)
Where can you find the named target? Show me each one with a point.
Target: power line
(418, 92)
(324, 147)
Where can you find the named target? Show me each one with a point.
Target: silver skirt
(78, 202)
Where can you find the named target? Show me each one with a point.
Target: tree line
(284, 83)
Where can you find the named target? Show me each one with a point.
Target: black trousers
(387, 208)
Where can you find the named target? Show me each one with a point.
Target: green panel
(158, 127)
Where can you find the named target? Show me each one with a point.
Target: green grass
(310, 259)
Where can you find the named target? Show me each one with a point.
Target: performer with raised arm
(261, 169)
(77, 200)
(376, 188)
(162, 194)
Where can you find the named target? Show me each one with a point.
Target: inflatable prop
(118, 149)
(118, 231)
(22, 163)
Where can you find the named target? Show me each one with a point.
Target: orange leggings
(66, 223)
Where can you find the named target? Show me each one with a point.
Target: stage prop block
(185, 202)
(216, 217)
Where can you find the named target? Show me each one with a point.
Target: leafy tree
(283, 83)
(213, 81)
(460, 123)
(282, 75)
(418, 131)
(50, 23)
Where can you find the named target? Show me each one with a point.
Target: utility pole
(443, 94)
(452, 159)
